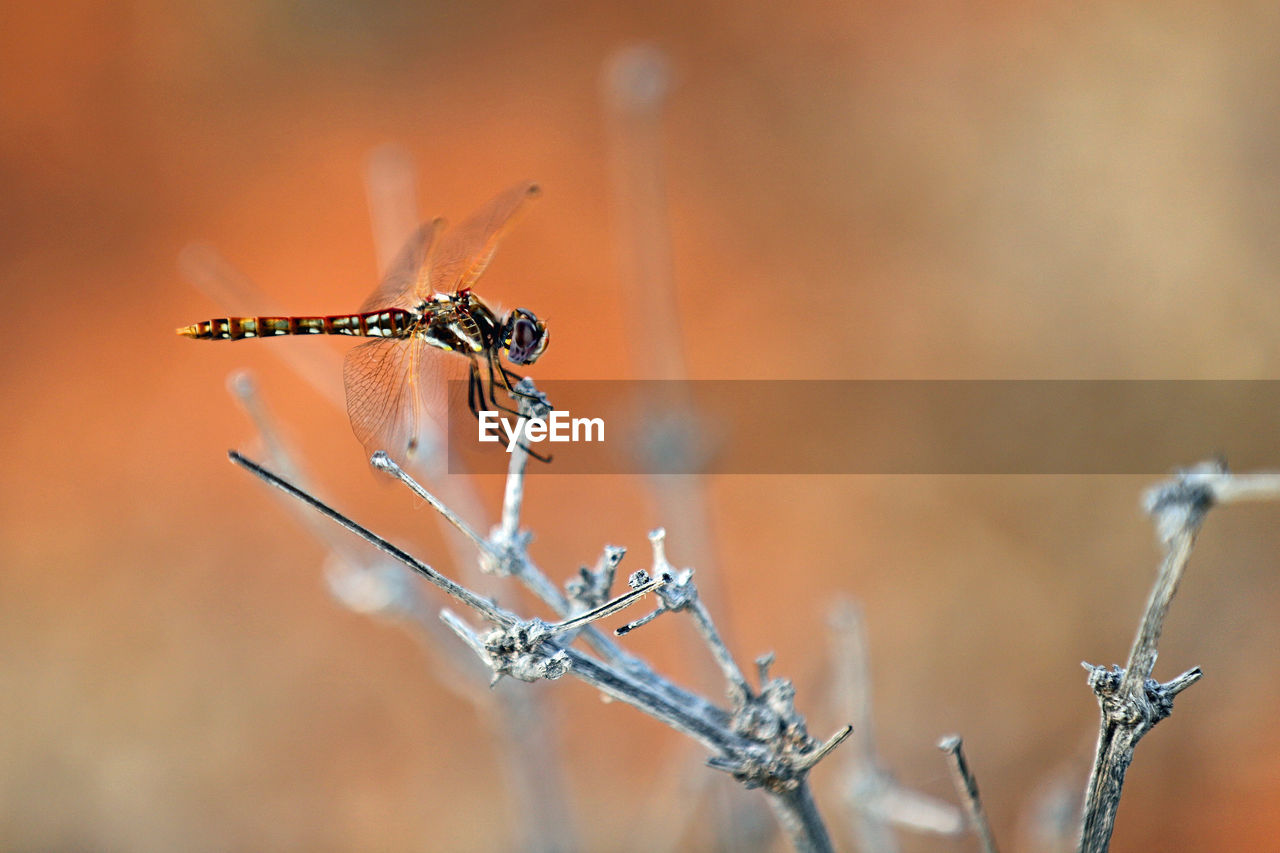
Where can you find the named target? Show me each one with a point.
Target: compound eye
(524, 335)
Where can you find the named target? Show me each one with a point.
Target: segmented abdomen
(390, 323)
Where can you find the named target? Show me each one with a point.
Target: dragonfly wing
(401, 286)
(465, 251)
(394, 393)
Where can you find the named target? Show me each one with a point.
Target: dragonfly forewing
(465, 251)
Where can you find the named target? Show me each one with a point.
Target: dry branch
(760, 739)
(1132, 702)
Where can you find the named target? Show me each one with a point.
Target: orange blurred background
(979, 190)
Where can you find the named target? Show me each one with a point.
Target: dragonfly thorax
(462, 322)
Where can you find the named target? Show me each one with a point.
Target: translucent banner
(878, 427)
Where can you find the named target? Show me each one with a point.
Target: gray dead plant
(757, 736)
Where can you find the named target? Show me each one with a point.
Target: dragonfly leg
(492, 398)
(509, 379)
(476, 398)
(502, 372)
(506, 443)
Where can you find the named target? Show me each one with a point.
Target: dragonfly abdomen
(389, 323)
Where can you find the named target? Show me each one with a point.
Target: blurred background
(908, 190)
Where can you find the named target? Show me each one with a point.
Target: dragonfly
(423, 309)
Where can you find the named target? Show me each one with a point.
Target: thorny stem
(1131, 701)
(792, 802)
(795, 808)
(967, 787)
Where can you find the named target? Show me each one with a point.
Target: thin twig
(365, 585)
(511, 545)
(486, 607)
(967, 787)
(609, 607)
(739, 690)
(381, 461)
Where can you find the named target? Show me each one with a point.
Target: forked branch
(760, 739)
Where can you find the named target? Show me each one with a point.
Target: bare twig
(739, 690)
(363, 583)
(513, 491)
(767, 717)
(1132, 702)
(382, 462)
(967, 787)
(636, 87)
(486, 607)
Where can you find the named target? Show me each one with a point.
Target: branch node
(591, 587)
(522, 652)
(1139, 711)
(1182, 504)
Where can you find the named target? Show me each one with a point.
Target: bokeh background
(906, 190)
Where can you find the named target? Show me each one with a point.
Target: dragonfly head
(524, 337)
